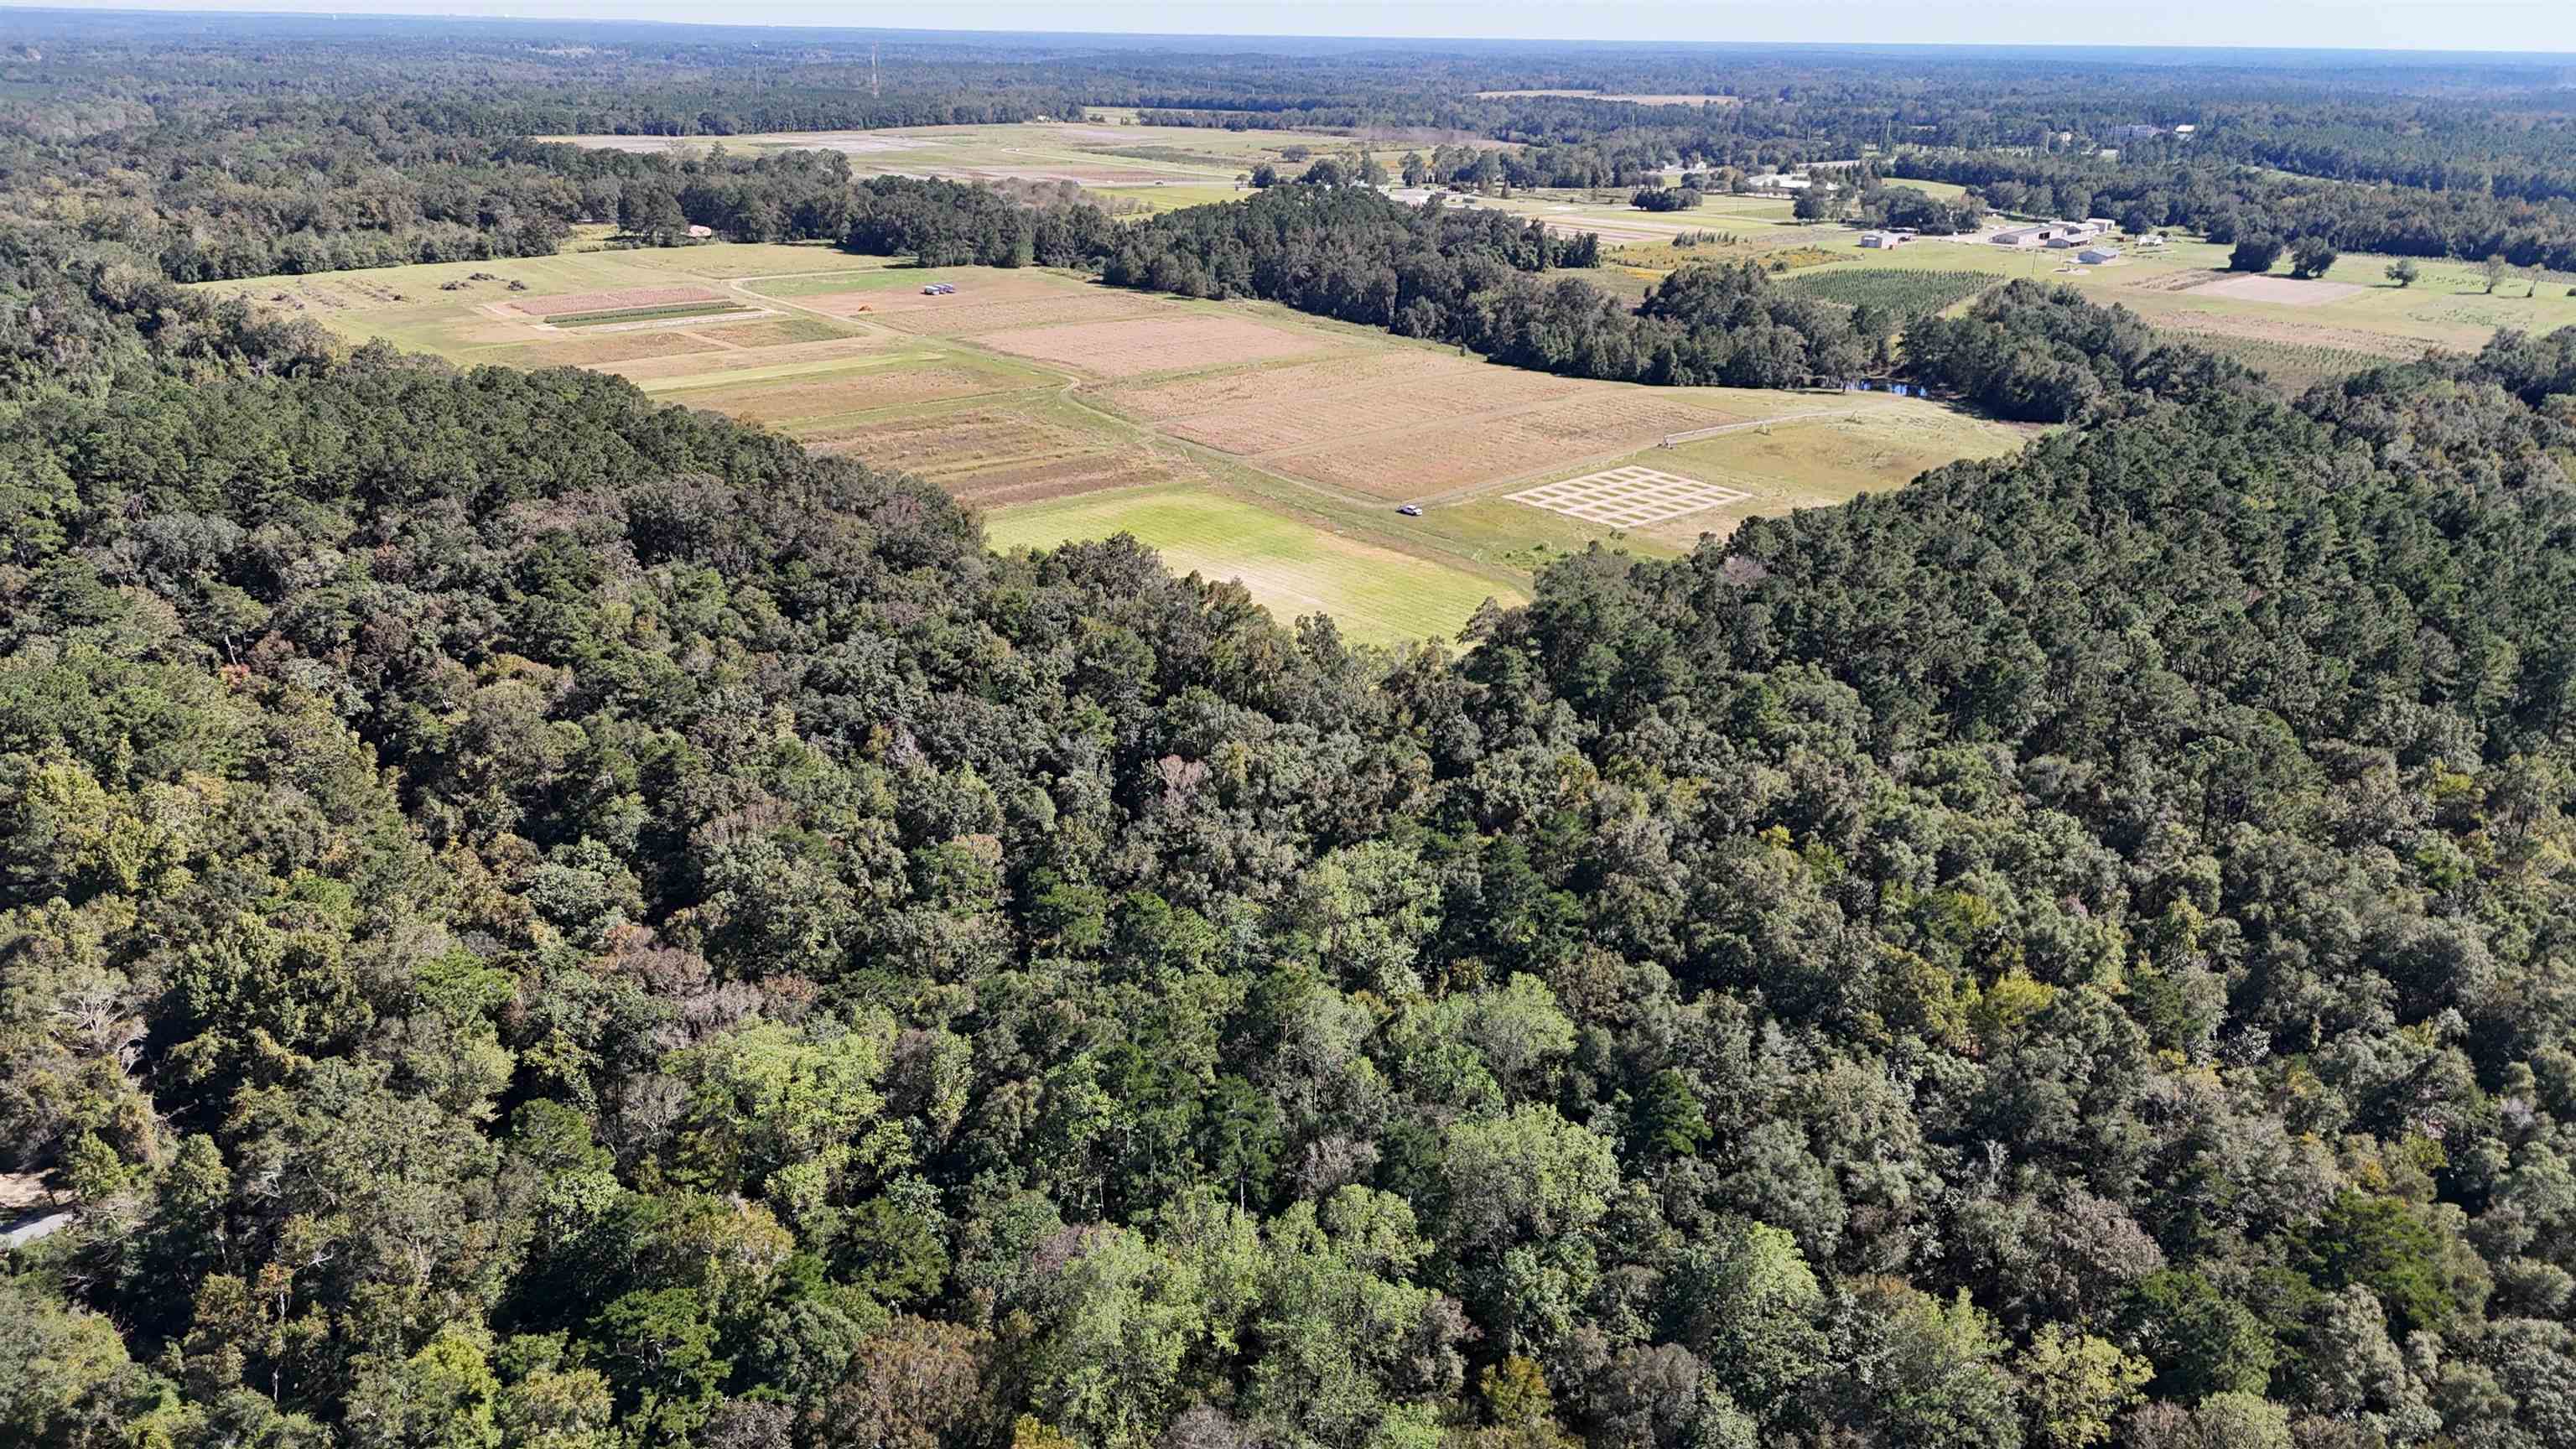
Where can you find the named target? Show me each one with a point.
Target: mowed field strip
(1248, 441)
(1374, 593)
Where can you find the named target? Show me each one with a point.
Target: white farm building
(2059, 234)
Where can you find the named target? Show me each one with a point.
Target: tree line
(1450, 274)
(2225, 202)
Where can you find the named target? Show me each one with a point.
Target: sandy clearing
(2285, 291)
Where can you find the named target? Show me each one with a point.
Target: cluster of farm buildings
(2089, 239)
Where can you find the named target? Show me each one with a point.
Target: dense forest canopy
(533, 917)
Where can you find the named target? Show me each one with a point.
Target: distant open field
(1247, 440)
(1157, 167)
(2298, 331)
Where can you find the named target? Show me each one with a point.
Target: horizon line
(187, 7)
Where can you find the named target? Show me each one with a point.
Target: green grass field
(646, 314)
(1111, 152)
(1291, 567)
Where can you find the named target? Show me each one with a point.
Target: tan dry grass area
(2297, 334)
(1460, 453)
(2182, 281)
(1004, 315)
(2284, 291)
(21, 1190)
(1261, 388)
(611, 300)
(975, 437)
(990, 456)
(780, 400)
(597, 351)
(1335, 400)
(982, 287)
(1132, 346)
(655, 369)
(1090, 472)
(774, 331)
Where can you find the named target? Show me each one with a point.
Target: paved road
(22, 1231)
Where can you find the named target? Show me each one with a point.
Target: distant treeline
(257, 203)
(2501, 151)
(2223, 201)
(951, 223)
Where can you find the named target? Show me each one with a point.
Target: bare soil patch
(612, 300)
(20, 1191)
(1128, 347)
(2285, 291)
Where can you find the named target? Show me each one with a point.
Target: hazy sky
(2511, 25)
